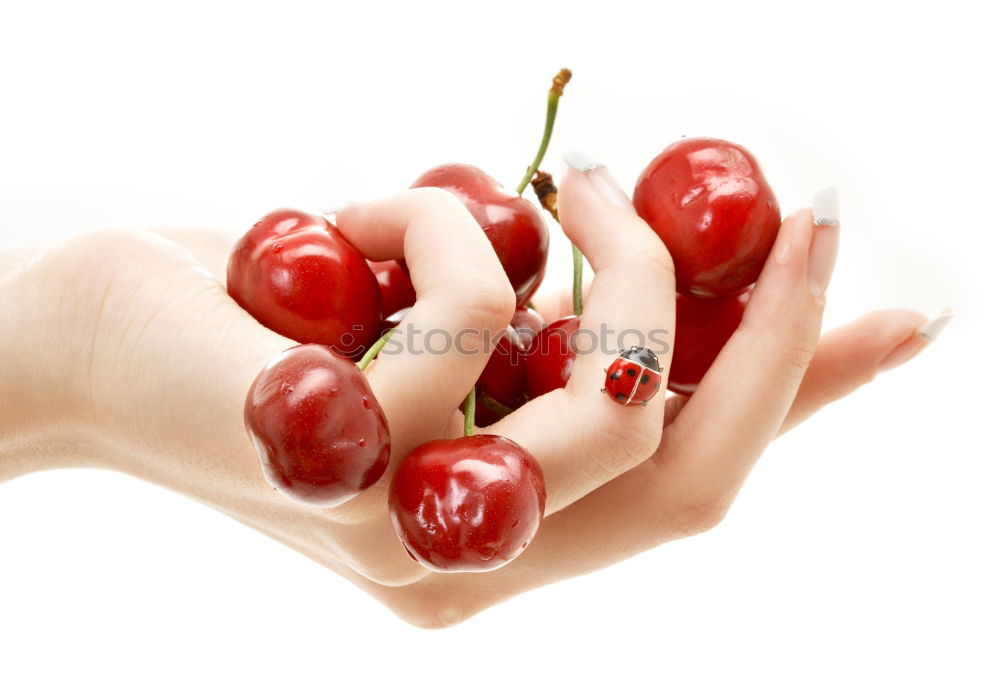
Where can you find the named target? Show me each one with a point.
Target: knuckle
(492, 304)
(439, 199)
(435, 616)
(694, 517)
(796, 356)
(111, 242)
(627, 445)
(658, 258)
(649, 256)
(430, 606)
(390, 571)
(375, 554)
(100, 257)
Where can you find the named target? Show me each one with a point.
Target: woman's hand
(123, 351)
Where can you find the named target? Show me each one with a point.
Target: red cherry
(297, 275)
(513, 225)
(703, 328)
(710, 204)
(395, 285)
(319, 432)
(550, 359)
(503, 379)
(392, 321)
(527, 323)
(467, 504)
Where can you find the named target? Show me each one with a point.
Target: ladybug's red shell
(634, 377)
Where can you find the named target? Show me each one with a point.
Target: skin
(122, 351)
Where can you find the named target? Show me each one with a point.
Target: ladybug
(634, 377)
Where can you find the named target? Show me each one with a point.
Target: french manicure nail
(914, 345)
(826, 208)
(826, 237)
(932, 329)
(598, 175)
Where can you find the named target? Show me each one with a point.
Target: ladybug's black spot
(644, 379)
(631, 372)
(656, 386)
(615, 375)
(620, 396)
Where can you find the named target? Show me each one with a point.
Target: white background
(863, 549)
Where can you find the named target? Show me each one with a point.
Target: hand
(126, 353)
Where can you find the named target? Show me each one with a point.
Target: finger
(463, 298)
(581, 436)
(852, 355)
(631, 514)
(632, 293)
(752, 383)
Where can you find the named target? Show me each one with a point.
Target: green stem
(577, 281)
(470, 412)
(555, 93)
(548, 196)
(492, 404)
(376, 347)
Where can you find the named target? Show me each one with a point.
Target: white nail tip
(581, 160)
(933, 328)
(826, 207)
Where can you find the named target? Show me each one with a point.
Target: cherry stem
(577, 281)
(548, 196)
(470, 412)
(376, 347)
(558, 83)
(492, 404)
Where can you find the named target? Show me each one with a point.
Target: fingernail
(598, 175)
(826, 208)
(932, 329)
(826, 236)
(914, 345)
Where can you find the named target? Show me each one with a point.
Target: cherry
(319, 432)
(516, 229)
(513, 225)
(527, 323)
(395, 285)
(708, 201)
(467, 504)
(502, 384)
(703, 328)
(297, 275)
(550, 359)
(391, 322)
